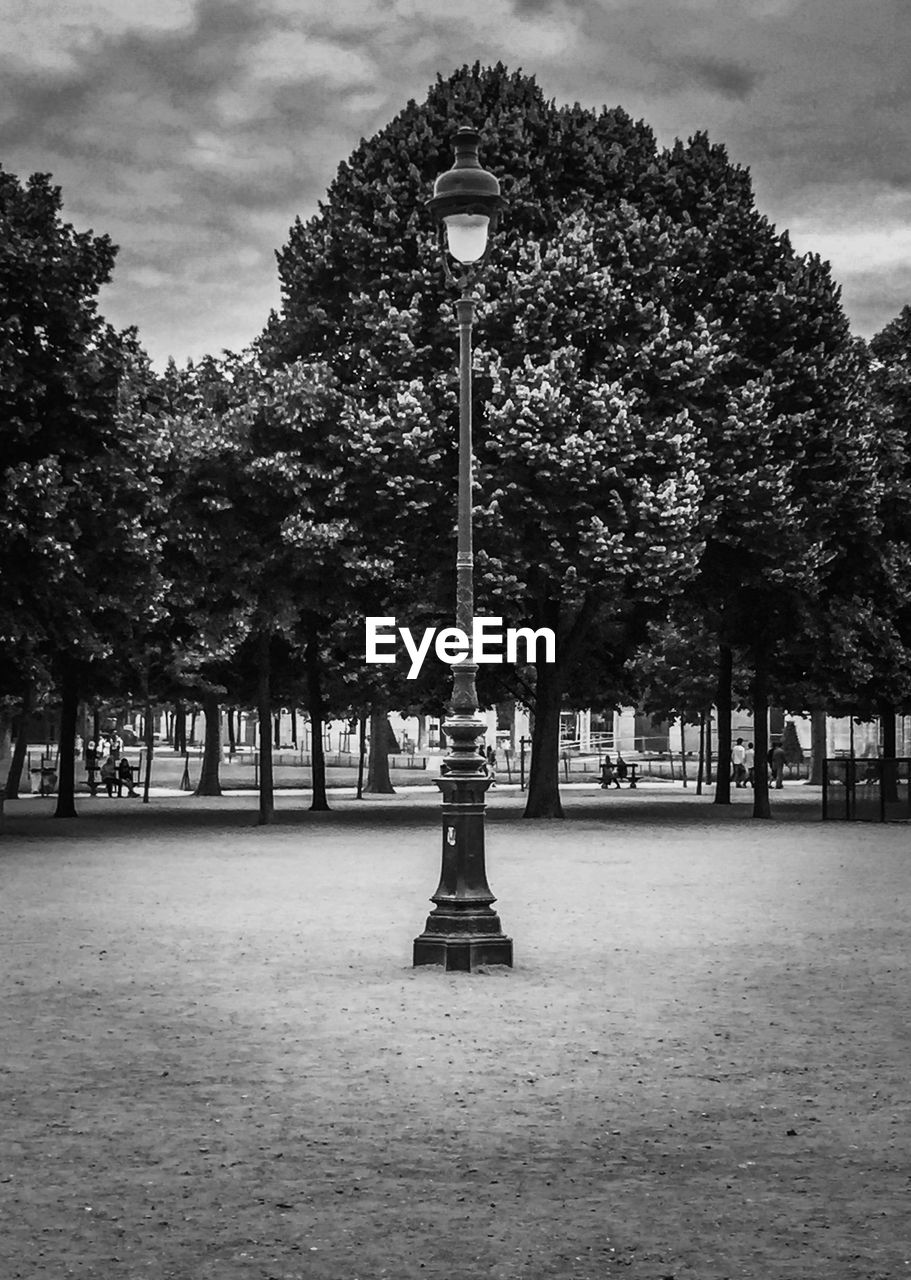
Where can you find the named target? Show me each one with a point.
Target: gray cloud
(195, 141)
(873, 298)
(730, 79)
(167, 141)
(180, 68)
(522, 8)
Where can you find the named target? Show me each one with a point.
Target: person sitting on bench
(608, 776)
(125, 777)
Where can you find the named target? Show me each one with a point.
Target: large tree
(362, 290)
(791, 457)
(638, 311)
(78, 540)
(262, 542)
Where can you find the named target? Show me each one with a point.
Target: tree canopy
(660, 377)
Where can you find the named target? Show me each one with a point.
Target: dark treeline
(687, 465)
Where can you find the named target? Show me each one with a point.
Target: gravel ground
(216, 1061)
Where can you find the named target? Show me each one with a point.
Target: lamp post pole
(463, 930)
(465, 311)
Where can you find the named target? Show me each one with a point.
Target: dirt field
(217, 1062)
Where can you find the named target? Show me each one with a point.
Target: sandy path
(217, 1061)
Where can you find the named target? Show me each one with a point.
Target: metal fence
(868, 790)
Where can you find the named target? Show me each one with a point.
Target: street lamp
(463, 930)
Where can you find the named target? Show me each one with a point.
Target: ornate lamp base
(464, 954)
(463, 931)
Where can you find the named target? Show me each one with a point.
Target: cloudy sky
(193, 131)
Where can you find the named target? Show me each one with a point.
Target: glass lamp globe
(466, 236)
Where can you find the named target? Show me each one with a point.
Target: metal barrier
(597, 743)
(868, 790)
(348, 760)
(581, 768)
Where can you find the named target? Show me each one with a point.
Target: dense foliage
(686, 465)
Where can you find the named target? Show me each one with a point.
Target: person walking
(492, 766)
(749, 765)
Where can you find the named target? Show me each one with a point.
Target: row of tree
(687, 465)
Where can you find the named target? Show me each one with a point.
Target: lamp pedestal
(463, 931)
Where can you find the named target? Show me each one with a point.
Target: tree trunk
(723, 703)
(320, 801)
(14, 777)
(889, 752)
(700, 773)
(683, 751)
(361, 752)
(709, 779)
(506, 718)
(209, 784)
(761, 806)
(232, 736)
(150, 751)
(66, 758)
(817, 747)
(294, 726)
(180, 729)
(544, 773)
(264, 715)
(6, 737)
(378, 779)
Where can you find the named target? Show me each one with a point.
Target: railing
(302, 760)
(869, 790)
(597, 743)
(663, 765)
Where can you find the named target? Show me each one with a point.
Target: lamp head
(466, 200)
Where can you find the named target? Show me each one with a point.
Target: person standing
(738, 755)
(749, 765)
(91, 766)
(778, 763)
